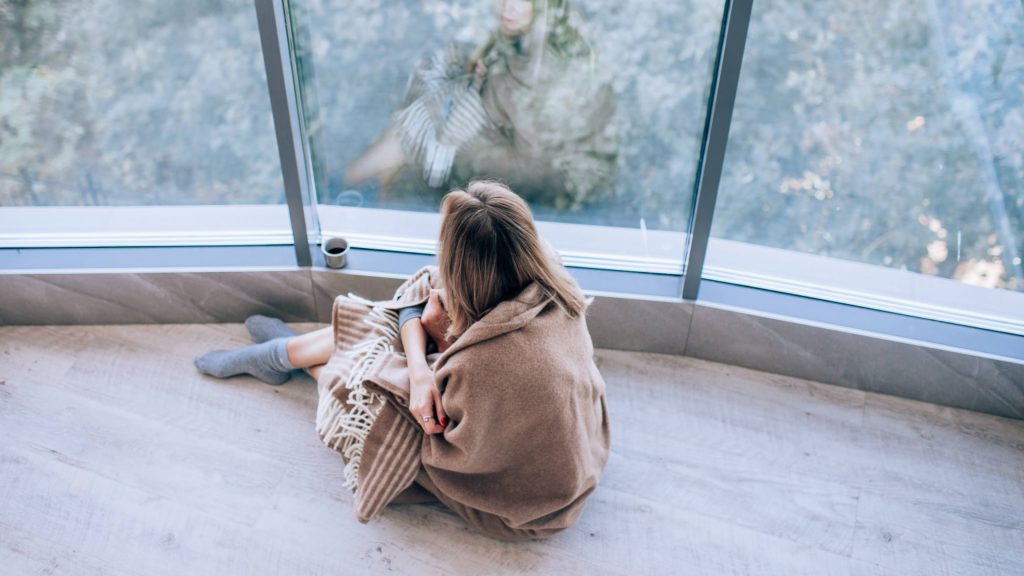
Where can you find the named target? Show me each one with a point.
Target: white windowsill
(628, 249)
(620, 249)
(865, 285)
(94, 226)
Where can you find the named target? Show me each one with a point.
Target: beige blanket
(528, 435)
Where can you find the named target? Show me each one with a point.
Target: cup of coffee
(335, 252)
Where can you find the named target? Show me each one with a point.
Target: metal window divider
(721, 99)
(279, 63)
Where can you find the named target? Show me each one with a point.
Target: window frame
(665, 274)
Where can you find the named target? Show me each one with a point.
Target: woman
(506, 423)
(529, 106)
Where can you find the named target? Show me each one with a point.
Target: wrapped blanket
(528, 435)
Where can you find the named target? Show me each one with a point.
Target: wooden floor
(118, 458)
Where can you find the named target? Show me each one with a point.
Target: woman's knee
(315, 371)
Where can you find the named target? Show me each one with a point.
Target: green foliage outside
(888, 133)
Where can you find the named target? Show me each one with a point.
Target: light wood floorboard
(119, 458)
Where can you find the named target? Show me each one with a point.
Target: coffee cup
(335, 252)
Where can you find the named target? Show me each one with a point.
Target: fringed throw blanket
(351, 406)
(528, 435)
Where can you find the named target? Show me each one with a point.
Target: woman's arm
(436, 322)
(424, 397)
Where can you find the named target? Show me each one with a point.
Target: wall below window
(724, 326)
(858, 359)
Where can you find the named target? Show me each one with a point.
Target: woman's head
(545, 22)
(516, 16)
(490, 251)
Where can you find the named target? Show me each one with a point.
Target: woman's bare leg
(315, 371)
(381, 160)
(311, 349)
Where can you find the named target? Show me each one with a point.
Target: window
(592, 110)
(877, 157)
(118, 120)
(875, 154)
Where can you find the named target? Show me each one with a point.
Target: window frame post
(722, 97)
(284, 103)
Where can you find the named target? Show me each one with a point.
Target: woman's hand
(435, 321)
(425, 401)
(479, 74)
(424, 397)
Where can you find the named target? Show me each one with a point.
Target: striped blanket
(367, 424)
(528, 435)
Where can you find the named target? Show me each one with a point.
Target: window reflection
(531, 105)
(591, 109)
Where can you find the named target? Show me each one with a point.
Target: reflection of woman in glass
(528, 106)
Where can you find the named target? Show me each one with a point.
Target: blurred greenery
(658, 56)
(887, 133)
(116, 103)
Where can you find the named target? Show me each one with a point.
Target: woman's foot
(267, 361)
(262, 328)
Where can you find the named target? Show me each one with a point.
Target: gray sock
(262, 328)
(267, 361)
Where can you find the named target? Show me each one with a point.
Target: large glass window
(109, 109)
(877, 156)
(593, 110)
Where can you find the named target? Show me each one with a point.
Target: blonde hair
(490, 250)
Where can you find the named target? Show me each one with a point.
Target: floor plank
(119, 458)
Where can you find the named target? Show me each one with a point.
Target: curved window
(592, 110)
(118, 120)
(876, 157)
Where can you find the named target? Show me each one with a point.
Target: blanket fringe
(345, 429)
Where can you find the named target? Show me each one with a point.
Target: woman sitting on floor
(489, 401)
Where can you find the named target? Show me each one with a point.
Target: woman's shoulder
(547, 339)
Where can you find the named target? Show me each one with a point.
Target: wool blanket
(528, 432)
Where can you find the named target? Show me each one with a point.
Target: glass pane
(592, 110)
(114, 104)
(885, 134)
